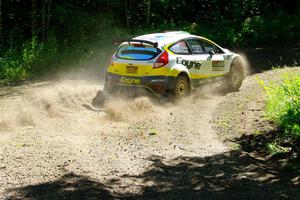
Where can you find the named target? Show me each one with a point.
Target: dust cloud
(73, 93)
(245, 63)
(128, 109)
(62, 100)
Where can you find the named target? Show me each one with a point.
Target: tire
(235, 77)
(181, 87)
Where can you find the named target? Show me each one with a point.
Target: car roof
(164, 38)
(168, 37)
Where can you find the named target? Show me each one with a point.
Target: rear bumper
(158, 85)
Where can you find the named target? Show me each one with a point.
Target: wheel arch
(176, 69)
(185, 75)
(170, 85)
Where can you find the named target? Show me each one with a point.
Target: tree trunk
(126, 13)
(44, 28)
(34, 18)
(147, 4)
(1, 25)
(48, 18)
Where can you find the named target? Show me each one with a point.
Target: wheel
(235, 76)
(181, 87)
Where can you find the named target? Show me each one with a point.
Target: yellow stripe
(207, 40)
(199, 76)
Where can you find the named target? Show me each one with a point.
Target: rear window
(131, 52)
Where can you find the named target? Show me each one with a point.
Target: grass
(283, 104)
(283, 108)
(275, 148)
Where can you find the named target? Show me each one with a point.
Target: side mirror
(211, 53)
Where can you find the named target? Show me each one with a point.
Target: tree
(46, 16)
(127, 12)
(1, 25)
(34, 18)
(147, 5)
(44, 19)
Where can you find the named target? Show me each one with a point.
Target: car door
(201, 57)
(209, 55)
(216, 58)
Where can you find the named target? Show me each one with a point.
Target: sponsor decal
(130, 80)
(218, 65)
(188, 63)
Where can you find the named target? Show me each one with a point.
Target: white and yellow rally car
(171, 63)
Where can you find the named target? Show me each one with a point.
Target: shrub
(18, 64)
(10, 67)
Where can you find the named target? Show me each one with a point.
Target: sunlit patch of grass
(283, 108)
(274, 148)
(258, 133)
(283, 104)
(235, 146)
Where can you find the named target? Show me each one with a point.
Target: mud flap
(99, 99)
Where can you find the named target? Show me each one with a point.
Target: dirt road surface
(55, 145)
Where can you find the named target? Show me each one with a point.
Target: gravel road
(49, 128)
(49, 131)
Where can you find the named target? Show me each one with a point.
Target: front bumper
(158, 85)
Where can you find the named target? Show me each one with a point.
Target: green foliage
(20, 64)
(251, 31)
(15, 74)
(10, 67)
(253, 28)
(281, 26)
(71, 31)
(283, 104)
(223, 32)
(275, 148)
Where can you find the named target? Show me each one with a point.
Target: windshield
(140, 52)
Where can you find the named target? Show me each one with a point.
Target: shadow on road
(232, 175)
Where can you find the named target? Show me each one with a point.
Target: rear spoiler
(155, 44)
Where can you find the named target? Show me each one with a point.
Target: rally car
(171, 63)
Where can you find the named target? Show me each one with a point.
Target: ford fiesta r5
(171, 63)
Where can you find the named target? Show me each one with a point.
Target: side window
(196, 46)
(180, 48)
(218, 50)
(207, 47)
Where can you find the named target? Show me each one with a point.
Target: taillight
(162, 60)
